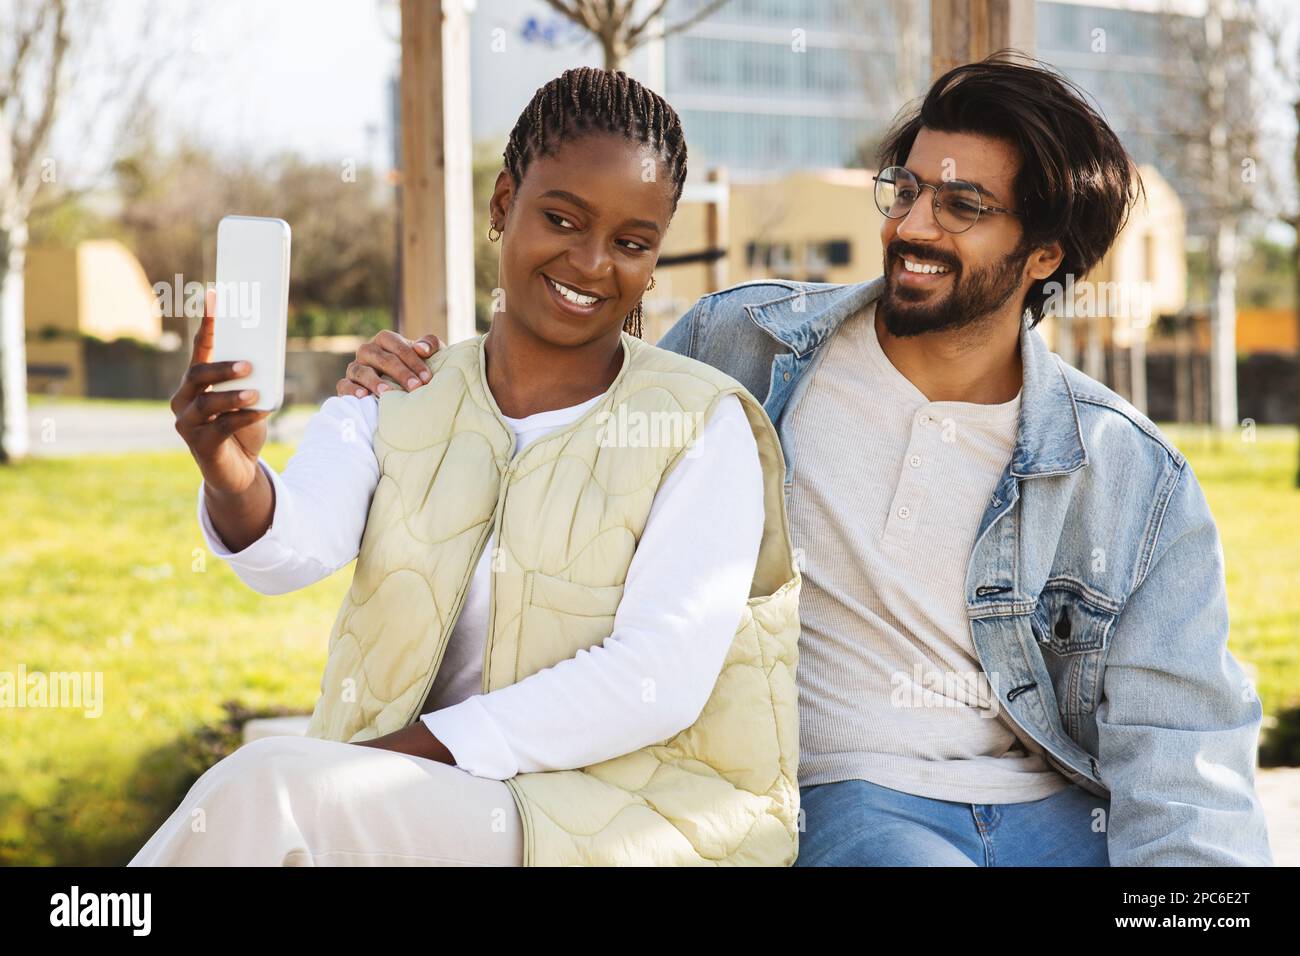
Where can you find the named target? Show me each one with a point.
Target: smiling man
(1014, 622)
(1014, 645)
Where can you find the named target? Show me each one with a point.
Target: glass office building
(767, 86)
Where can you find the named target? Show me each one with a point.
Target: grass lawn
(1249, 481)
(103, 569)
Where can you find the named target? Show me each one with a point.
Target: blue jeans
(857, 823)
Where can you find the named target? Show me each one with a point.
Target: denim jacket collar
(1049, 440)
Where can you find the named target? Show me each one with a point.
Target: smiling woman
(575, 643)
(593, 172)
(587, 196)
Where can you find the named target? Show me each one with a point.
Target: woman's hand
(391, 354)
(417, 740)
(223, 436)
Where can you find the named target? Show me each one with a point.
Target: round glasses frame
(888, 178)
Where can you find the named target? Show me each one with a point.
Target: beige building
(815, 225)
(97, 288)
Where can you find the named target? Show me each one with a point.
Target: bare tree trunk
(1223, 241)
(1120, 368)
(1200, 371)
(1094, 354)
(1223, 325)
(1182, 372)
(1138, 373)
(20, 144)
(1295, 252)
(14, 442)
(1295, 262)
(609, 48)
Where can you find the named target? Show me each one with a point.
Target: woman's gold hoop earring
(491, 229)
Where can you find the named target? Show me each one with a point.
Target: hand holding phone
(225, 434)
(236, 375)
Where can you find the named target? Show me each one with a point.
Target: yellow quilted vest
(568, 512)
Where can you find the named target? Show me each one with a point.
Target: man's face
(985, 266)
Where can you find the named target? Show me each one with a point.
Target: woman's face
(590, 218)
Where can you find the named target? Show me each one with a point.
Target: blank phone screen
(251, 318)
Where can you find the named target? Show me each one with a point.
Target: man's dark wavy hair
(1076, 184)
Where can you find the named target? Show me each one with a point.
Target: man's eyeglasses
(958, 205)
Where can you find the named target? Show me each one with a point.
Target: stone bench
(261, 727)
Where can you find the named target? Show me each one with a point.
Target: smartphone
(251, 320)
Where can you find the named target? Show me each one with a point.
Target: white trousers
(303, 801)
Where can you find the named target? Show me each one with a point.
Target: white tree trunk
(1223, 238)
(1094, 353)
(1065, 339)
(1138, 369)
(14, 443)
(1223, 326)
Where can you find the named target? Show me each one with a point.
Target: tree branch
(24, 153)
(686, 24)
(580, 13)
(638, 29)
(21, 48)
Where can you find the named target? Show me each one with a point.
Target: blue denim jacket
(1095, 588)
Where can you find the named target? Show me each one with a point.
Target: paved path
(62, 428)
(1279, 789)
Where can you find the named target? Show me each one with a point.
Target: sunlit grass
(103, 569)
(1249, 481)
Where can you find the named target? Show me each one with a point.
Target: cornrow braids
(590, 100)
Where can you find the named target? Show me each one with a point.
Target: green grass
(102, 569)
(1249, 481)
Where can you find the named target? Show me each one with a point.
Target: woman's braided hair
(589, 100)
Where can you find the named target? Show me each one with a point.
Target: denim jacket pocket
(1072, 632)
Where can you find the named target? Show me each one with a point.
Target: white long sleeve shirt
(685, 591)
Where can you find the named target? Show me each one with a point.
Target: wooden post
(437, 184)
(963, 31)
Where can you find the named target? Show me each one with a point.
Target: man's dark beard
(970, 299)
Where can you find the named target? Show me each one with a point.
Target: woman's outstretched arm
(683, 598)
(320, 502)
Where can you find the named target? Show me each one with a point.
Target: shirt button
(925, 419)
(905, 512)
(786, 376)
(915, 461)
